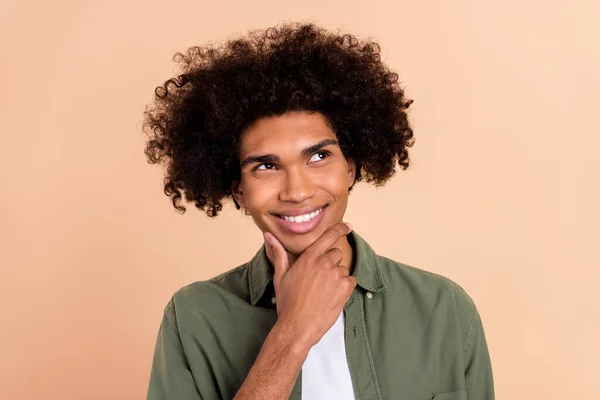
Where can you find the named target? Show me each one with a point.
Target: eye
(265, 165)
(320, 155)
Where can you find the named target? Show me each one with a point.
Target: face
(294, 177)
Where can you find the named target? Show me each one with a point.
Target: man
(285, 122)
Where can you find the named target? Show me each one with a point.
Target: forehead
(290, 132)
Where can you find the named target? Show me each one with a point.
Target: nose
(297, 186)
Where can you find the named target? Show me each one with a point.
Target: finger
(342, 270)
(328, 238)
(333, 255)
(277, 255)
(352, 281)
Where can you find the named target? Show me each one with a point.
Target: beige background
(502, 195)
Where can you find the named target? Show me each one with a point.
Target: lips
(300, 221)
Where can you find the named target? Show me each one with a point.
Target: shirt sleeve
(478, 373)
(171, 377)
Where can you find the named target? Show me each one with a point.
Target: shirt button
(369, 295)
(273, 300)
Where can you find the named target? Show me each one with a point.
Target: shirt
(410, 334)
(325, 372)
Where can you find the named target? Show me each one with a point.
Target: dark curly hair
(194, 124)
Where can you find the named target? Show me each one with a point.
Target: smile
(303, 218)
(302, 223)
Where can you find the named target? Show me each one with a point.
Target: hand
(312, 292)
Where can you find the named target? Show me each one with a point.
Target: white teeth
(303, 218)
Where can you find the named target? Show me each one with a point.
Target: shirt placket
(358, 349)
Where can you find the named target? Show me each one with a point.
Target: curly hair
(195, 122)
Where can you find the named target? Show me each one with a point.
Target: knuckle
(335, 254)
(309, 253)
(338, 254)
(333, 233)
(327, 261)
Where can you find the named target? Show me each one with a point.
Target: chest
(382, 350)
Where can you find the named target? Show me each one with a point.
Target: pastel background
(502, 195)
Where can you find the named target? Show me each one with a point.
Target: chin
(297, 244)
(297, 247)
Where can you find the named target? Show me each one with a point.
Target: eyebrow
(272, 158)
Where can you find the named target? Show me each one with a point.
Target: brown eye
(320, 155)
(265, 165)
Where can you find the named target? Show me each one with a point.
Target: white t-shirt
(325, 372)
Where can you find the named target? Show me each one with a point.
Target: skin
(312, 269)
(295, 181)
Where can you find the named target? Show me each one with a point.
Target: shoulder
(430, 290)
(216, 292)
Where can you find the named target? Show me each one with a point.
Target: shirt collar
(366, 269)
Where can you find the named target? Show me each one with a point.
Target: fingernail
(348, 225)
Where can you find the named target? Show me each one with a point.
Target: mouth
(301, 223)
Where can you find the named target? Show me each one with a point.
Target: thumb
(277, 255)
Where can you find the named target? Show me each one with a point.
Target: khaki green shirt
(410, 334)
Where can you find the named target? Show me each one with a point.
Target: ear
(351, 172)
(238, 194)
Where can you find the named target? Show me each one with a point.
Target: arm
(271, 377)
(478, 374)
(310, 296)
(171, 377)
(276, 368)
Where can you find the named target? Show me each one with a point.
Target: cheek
(334, 182)
(258, 194)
